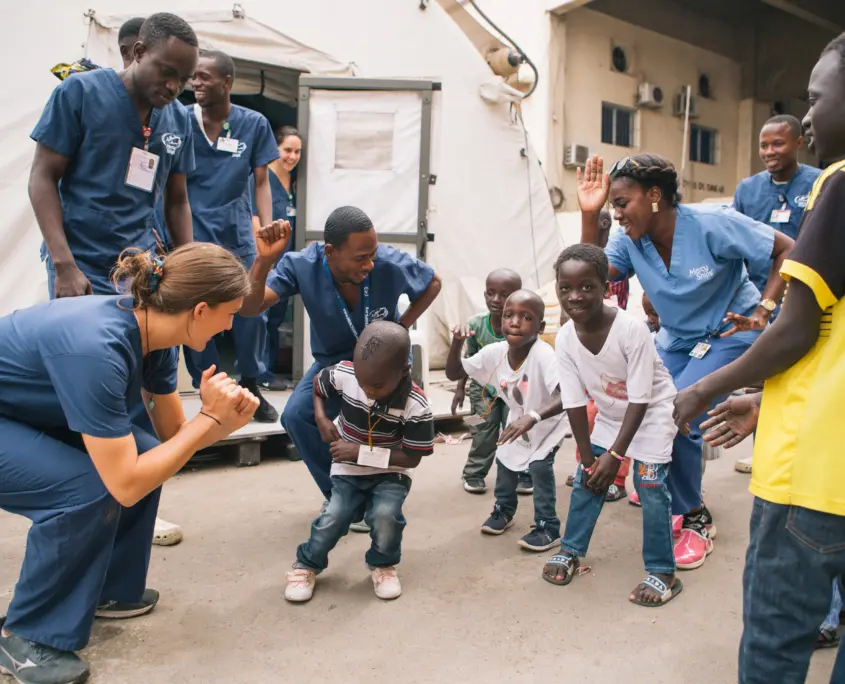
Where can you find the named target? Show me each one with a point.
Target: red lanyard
(146, 131)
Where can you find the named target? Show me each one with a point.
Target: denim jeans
(793, 556)
(831, 622)
(383, 495)
(545, 497)
(485, 437)
(650, 483)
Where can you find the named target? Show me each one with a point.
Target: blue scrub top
(218, 188)
(707, 276)
(91, 120)
(758, 196)
(394, 273)
(75, 364)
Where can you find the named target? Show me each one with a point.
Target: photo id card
(227, 145)
(377, 457)
(780, 216)
(141, 172)
(699, 350)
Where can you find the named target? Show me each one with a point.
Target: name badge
(780, 216)
(141, 172)
(377, 457)
(699, 350)
(229, 145)
(291, 210)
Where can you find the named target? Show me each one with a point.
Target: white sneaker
(300, 586)
(360, 526)
(166, 534)
(386, 583)
(743, 465)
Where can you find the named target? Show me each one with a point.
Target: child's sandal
(566, 561)
(665, 592)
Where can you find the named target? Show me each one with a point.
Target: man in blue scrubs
(776, 196)
(109, 144)
(231, 143)
(345, 284)
(127, 36)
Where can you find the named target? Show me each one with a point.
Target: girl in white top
(609, 355)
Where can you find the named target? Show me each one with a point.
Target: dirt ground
(474, 608)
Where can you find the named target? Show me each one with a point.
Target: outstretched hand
(462, 332)
(732, 421)
(593, 185)
(756, 321)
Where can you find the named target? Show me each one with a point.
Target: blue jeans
(83, 548)
(299, 422)
(650, 481)
(545, 497)
(383, 496)
(831, 622)
(794, 554)
(685, 480)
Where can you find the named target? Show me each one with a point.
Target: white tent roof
(489, 208)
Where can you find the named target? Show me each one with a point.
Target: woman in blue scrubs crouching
(74, 464)
(691, 262)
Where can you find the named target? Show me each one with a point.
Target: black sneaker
(539, 539)
(524, 485)
(117, 610)
(265, 413)
(32, 663)
(497, 523)
(615, 493)
(475, 485)
(275, 383)
(701, 522)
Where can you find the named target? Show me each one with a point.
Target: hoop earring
(654, 208)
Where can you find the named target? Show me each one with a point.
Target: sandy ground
(474, 609)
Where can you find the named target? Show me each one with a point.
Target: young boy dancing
(385, 427)
(524, 370)
(486, 328)
(609, 355)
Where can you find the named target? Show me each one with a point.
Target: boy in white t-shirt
(523, 369)
(606, 354)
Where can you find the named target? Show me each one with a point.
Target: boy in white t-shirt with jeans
(523, 369)
(609, 355)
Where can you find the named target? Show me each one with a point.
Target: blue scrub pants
(299, 422)
(275, 317)
(83, 548)
(684, 480)
(248, 333)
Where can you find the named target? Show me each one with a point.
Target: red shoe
(692, 549)
(634, 499)
(677, 525)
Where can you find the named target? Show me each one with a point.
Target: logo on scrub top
(172, 142)
(378, 314)
(701, 273)
(802, 200)
(241, 150)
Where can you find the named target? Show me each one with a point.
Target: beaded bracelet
(615, 455)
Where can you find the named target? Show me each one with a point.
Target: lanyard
(228, 129)
(146, 131)
(783, 192)
(345, 309)
(371, 426)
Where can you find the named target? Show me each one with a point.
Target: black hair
(794, 124)
(836, 45)
(283, 132)
(161, 26)
(386, 343)
(344, 221)
(131, 28)
(225, 64)
(653, 171)
(589, 254)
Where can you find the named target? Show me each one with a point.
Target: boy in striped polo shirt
(384, 428)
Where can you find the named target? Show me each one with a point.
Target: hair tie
(156, 273)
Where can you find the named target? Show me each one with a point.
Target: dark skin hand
(327, 428)
(347, 452)
(460, 396)
(732, 420)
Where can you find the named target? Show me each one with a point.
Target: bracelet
(615, 455)
(534, 415)
(208, 415)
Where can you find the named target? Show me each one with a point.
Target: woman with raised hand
(74, 464)
(691, 262)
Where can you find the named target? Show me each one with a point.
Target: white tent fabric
(489, 208)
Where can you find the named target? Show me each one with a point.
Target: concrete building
(613, 73)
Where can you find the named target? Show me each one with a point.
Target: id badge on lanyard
(143, 165)
(342, 304)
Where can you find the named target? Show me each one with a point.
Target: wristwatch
(769, 305)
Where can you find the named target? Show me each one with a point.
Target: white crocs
(166, 534)
(386, 583)
(300, 586)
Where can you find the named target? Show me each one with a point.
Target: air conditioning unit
(649, 96)
(576, 156)
(680, 106)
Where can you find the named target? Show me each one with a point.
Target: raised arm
(270, 242)
(593, 190)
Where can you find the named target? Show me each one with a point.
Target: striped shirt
(404, 421)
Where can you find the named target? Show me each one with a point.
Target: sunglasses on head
(621, 166)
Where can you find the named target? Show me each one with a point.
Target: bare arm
(580, 425)
(780, 250)
(167, 414)
(260, 297)
(420, 305)
(454, 367)
(177, 210)
(593, 190)
(402, 459)
(263, 196)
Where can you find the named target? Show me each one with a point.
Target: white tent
(490, 205)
